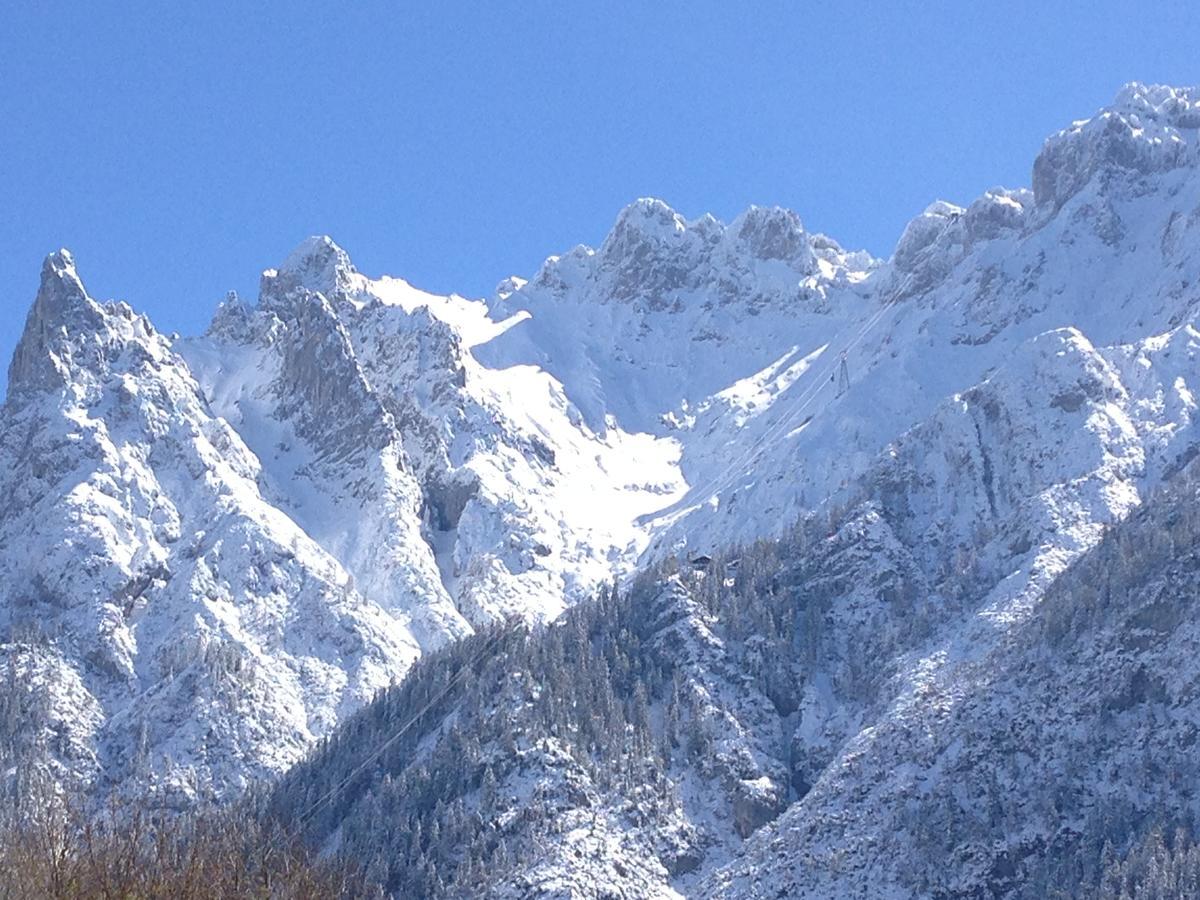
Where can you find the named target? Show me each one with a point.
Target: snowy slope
(1037, 702)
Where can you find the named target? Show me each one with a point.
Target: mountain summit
(61, 311)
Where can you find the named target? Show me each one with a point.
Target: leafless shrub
(51, 849)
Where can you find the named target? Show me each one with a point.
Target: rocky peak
(1162, 103)
(1149, 129)
(996, 212)
(649, 252)
(509, 286)
(652, 253)
(233, 318)
(937, 240)
(62, 310)
(320, 265)
(645, 221)
(773, 233)
(927, 230)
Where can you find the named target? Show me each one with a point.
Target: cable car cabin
(701, 563)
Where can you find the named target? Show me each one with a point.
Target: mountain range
(751, 565)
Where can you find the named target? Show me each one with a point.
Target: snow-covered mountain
(214, 548)
(183, 631)
(968, 672)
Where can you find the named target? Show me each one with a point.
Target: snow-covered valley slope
(963, 677)
(213, 548)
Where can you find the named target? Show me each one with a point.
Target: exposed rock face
(1149, 130)
(44, 356)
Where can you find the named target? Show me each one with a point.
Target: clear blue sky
(179, 149)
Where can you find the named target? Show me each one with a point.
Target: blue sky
(179, 149)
